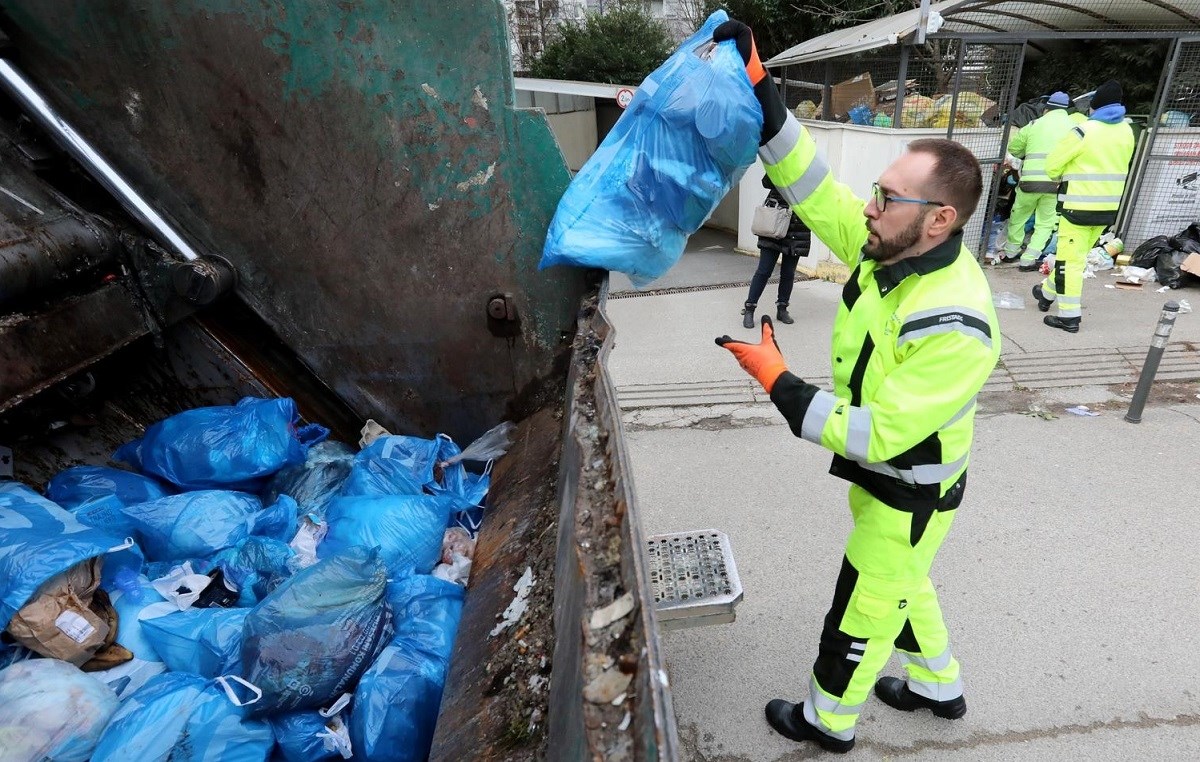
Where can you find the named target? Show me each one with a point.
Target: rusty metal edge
(653, 730)
(652, 674)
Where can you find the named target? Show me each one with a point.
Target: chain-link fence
(964, 91)
(1164, 197)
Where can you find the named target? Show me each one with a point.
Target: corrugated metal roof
(951, 18)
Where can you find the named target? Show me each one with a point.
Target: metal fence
(964, 90)
(1164, 196)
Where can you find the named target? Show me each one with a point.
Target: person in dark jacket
(792, 246)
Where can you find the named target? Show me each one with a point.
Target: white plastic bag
(182, 586)
(52, 710)
(1008, 301)
(490, 446)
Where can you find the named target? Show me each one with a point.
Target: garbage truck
(336, 202)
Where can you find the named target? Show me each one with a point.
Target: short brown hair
(957, 180)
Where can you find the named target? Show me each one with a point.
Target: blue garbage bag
(408, 529)
(685, 139)
(402, 465)
(255, 567)
(316, 481)
(310, 640)
(193, 524)
(131, 593)
(228, 447)
(38, 539)
(79, 484)
(301, 737)
(279, 521)
(51, 710)
(204, 642)
(392, 465)
(177, 717)
(104, 512)
(397, 701)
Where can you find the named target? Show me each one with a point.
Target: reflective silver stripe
(933, 664)
(858, 646)
(1091, 199)
(1097, 177)
(854, 657)
(933, 473)
(799, 191)
(949, 326)
(955, 418)
(817, 414)
(1072, 300)
(1029, 156)
(810, 715)
(778, 147)
(937, 691)
(1069, 312)
(858, 438)
(825, 704)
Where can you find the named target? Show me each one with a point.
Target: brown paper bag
(58, 621)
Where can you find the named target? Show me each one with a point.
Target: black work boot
(788, 721)
(1044, 304)
(781, 314)
(1028, 267)
(895, 693)
(748, 315)
(1070, 325)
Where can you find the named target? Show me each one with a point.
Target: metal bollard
(1158, 343)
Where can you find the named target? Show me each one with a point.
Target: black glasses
(882, 199)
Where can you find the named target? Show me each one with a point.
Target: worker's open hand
(744, 38)
(762, 360)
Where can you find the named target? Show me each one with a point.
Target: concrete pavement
(1068, 581)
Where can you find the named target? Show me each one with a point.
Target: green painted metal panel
(360, 163)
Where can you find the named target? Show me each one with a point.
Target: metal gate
(1164, 197)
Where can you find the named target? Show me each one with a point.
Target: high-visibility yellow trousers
(1042, 206)
(1065, 283)
(883, 597)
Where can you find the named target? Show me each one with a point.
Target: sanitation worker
(915, 338)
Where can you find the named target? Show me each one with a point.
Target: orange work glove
(762, 360)
(744, 39)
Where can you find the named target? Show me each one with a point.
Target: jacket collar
(942, 255)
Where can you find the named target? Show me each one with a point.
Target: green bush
(620, 47)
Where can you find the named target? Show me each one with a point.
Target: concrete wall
(576, 134)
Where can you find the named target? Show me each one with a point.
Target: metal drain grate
(694, 578)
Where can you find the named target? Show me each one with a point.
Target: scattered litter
(370, 432)
(620, 699)
(1008, 301)
(607, 686)
(458, 570)
(1128, 286)
(1163, 290)
(1037, 411)
(1109, 285)
(1082, 410)
(619, 608)
(182, 586)
(1184, 307)
(513, 613)
(625, 722)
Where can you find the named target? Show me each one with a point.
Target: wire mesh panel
(1166, 196)
(982, 95)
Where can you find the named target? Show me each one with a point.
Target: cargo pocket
(870, 616)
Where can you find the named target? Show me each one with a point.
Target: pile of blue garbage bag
(274, 593)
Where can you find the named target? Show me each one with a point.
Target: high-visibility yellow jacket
(1092, 160)
(1033, 144)
(913, 343)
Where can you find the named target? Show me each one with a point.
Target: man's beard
(888, 248)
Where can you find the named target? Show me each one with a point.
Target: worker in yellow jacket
(915, 339)
(1037, 194)
(1092, 161)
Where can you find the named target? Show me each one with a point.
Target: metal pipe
(1158, 343)
(17, 86)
